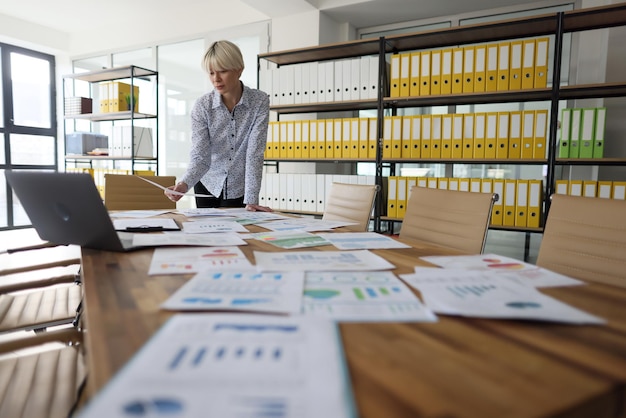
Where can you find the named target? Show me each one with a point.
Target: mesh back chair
(350, 202)
(42, 375)
(448, 218)
(126, 192)
(585, 238)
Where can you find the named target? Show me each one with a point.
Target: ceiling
(74, 17)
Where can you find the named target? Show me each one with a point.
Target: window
(27, 122)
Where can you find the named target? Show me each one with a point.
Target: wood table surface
(455, 367)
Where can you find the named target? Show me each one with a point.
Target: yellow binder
(605, 189)
(590, 188)
(355, 138)
(535, 194)
(425, 73)
(435, 71)
(387, 127)
(414, 79)
(269, 144)
(502, 141)
(446, 71)
(475, 185)
(291, 140)
(457, 70)
(528, 133)
(491, 76)
(333, 142)
(416, 136)
(453, 184)
(297, 135)
(306, 137)
(479, 135)
(510, 187)
(405, 74)
(363, 137)
(446, 136)
(282, 153)
(541, 63)
(480, 68)
(561, 187)
(442, 183)
(372, 142)
(346, 139)
(396, 137)
(575, 188)
(401, 193)
(457, 136)
(468, 136)
(313, 139)
(521, 203)
(435, 137)
(619, 190)
(405, 146)
(394, 77)
(497, 212)
(468, 69)
(541, 132)
(464, 185)
(392, 196)
(321, 138)
(515, 135)
(528, 63)
(504, 49)
(491, 135)
(426, 135)
(486, 185)
(515, 66)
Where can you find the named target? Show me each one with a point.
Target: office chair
(585, 238)
(126, 192)
(350, 202)
(42, 375)
(449, 218)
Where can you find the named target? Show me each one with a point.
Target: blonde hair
(222, 56)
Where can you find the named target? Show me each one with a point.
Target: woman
(229, 131)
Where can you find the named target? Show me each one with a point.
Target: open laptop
(66, 208)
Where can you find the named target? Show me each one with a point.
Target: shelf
(540, 25)
(533, 95)
(466, 161)
(496, 227)
(350, 105)
(591, 161)
(593, 91)
(112, 74)
(322, 160)
(107, 158)
(595, 18)
(101, 117)
(324, 52)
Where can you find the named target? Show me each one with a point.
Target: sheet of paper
(199, 212)
(167, 224)
(539, 277)
(487, 295)
(352, 296)
(180, 238)
(250, 218)
(212, 226)
(360, 260)
(195, 259)
(290, 239)
(138, 213)
(303, 224)
(362, 241)
(233, 366)
(240, 290)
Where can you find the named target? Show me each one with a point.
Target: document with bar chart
(233, 365)
(362, 297)
(195, 259)
(279, 292)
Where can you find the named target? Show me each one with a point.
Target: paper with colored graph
(487, 294)
(212, 226)
(279, 292)
(195, 259)
(180, 238)
(362, 241)
(534, 275)
(361, 260)
(362, 297)
(233, 366)
(289, 239)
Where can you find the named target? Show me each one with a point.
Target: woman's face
(225, 81)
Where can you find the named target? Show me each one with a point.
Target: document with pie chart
(233, 366)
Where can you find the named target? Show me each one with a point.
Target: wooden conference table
(456, 367)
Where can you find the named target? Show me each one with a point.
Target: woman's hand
(258, 208)
(178, 187)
